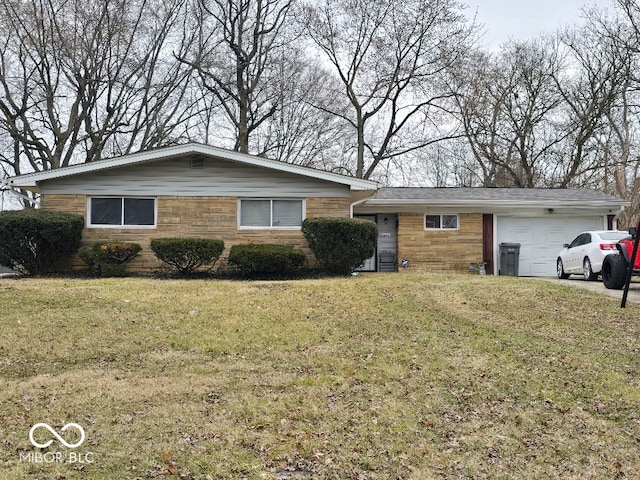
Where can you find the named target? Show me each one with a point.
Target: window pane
(432, 221)
(613, 235)
(287, 213)
(449, 221)
(576, 241)
(106, 211)
(255, 213)
(139, 211)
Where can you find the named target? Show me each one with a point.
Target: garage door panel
(541, 269)
(541, 239)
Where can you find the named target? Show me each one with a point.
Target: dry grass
(371, 377)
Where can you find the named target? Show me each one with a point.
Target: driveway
(598, 287)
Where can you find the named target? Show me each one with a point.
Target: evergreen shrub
(33, 240)
(266, 259)
(107, 259)
(340, 244)
(186, 255)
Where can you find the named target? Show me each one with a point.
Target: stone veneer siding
(204, 217)
(440, 250)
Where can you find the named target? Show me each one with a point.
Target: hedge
(266, 259)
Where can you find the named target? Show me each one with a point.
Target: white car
(584, 256)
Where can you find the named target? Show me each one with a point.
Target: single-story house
(195, 190)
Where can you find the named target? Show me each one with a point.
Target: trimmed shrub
(113, 270)
(340, 244)
(187, 254)
(88, 256)
(117, 253)
(107, 259)
(266, 259)
(32, 241)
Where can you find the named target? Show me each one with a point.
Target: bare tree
(630, 10)
(81, 80)
(235, 51)
(509, 107)
(619, 41)
(389, 57)
(593, 81)
(298, 132)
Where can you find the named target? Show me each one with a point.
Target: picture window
(271, 213)
(122, 212)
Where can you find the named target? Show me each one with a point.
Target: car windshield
(613, 235)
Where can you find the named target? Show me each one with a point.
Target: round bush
(187, 254)
(33, 240)
(266, 259)
(340, 244)
(108, 258)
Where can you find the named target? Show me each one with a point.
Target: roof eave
(494, 203)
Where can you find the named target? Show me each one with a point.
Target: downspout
(616, 216)
(358, 202)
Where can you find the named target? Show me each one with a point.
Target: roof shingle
(491, 195)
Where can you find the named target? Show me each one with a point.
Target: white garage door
(541, 239)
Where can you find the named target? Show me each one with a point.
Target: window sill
(124, 227)
(269, 228)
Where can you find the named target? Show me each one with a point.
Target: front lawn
(373, 377)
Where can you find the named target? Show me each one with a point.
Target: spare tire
(614, 271)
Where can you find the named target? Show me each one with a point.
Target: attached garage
(541, 238)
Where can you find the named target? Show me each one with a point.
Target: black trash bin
(509, 259)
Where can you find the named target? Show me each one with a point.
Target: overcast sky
(525, 19)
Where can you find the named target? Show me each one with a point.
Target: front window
(270, 213)
(441, 222)
(122, 212)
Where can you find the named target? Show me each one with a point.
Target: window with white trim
(138, 212)
(271, 213)
(441, 222)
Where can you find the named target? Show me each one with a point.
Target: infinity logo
(55, 434)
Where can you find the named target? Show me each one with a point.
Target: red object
(629, 244)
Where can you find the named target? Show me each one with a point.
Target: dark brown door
(487, 242)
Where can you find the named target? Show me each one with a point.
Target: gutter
(494, 203)
(6, 186)
(356, 203)
(617, 216)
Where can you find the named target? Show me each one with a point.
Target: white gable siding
(176, 177)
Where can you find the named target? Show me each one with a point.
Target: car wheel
(587, 271)
(560, 270)
(614, 271)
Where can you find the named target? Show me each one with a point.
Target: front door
(388, 242)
